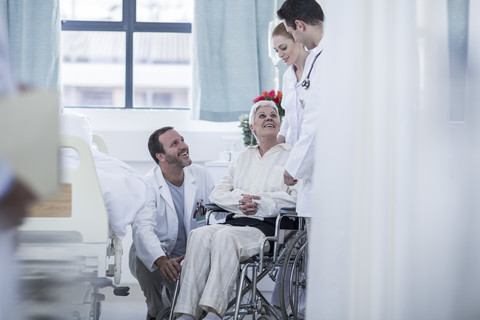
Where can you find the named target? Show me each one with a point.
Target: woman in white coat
(294, 55)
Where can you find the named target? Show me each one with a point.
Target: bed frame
(65, 241)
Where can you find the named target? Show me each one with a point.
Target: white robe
(256, 175)
(220, 248)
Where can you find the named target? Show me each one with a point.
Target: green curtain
(34, 38)
(230, 54)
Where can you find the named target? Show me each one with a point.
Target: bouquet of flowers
(275, 96)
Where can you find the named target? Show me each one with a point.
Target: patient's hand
(288, 179)
(170, 268)
(247, 205)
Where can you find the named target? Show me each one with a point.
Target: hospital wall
(126, 133)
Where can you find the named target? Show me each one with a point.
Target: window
(126, 54)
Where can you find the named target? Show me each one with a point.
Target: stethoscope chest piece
(306, 84)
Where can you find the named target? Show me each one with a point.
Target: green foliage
(248, 137)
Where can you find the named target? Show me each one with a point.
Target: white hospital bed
(66, 247)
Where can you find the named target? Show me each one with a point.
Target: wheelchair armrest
(219, 214)
(288, 210)
(214, 207)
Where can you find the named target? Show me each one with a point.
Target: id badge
(201, 221)
(199, 214)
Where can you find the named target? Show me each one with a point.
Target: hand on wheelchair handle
(170, 268)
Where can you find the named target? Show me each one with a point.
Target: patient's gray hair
(261, 103)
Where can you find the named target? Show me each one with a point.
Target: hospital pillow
(78, 125)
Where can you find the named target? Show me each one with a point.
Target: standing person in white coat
(160, 235)
(303, 19)
(297, 58)
(15, 197)
(294, 55)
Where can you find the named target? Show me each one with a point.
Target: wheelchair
(285, 264)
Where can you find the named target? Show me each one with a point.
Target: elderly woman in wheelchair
(253, 192)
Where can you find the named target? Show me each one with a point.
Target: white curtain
(397, 229)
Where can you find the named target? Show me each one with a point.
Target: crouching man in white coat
(160, 236)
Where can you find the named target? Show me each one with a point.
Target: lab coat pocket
(275, 180)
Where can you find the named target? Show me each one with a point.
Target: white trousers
(211, 266)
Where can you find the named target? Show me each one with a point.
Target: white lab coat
(8, 268)
(155, 228)
(291, 88)
(300, 164)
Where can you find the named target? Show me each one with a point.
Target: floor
(131, 307)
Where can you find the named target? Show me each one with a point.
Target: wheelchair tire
(164, 314)
(293, 277)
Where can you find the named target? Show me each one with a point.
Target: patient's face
(176, 150)
(266, 122)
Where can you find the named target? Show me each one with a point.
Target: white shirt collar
(319, 47)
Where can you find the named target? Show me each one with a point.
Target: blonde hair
(280, 30)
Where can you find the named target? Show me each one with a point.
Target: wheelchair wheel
(164, 314)
(293, 278)
(246, 298)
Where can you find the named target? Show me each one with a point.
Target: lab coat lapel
(190, 191)
(164, 191)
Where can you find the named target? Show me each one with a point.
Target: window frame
(129, 25)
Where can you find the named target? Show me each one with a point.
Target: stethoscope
(306, 82)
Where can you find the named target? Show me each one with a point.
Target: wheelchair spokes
(293, 278)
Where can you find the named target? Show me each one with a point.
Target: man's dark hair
(309, 11)
(154, 145)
